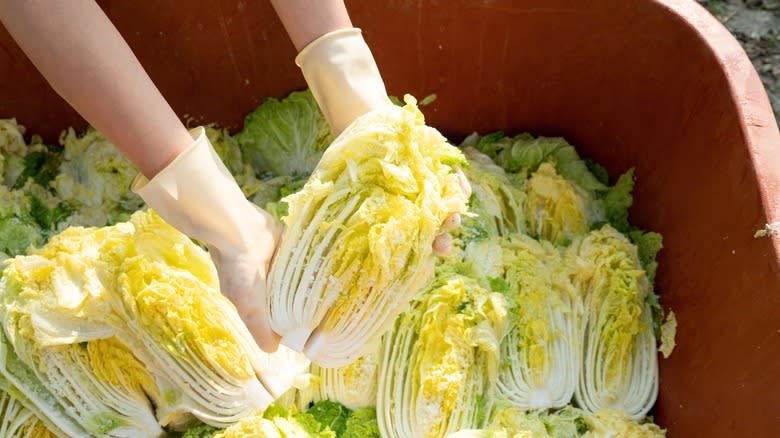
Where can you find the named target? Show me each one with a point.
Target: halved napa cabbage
(620, 365)
(353, 385)
(120, 330)
(497, 201)
(357, 245)
(22, 382)
(305, 390)
(557, 209)
(541, 351)
(440, 362)
(567, 194)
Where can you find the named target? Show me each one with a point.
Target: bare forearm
(85, 59)
(305, 20)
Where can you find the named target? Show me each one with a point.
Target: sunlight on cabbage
(357, 245)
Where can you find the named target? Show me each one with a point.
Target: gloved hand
(344, 79)
(197, 195)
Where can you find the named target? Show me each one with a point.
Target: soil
(756, 24)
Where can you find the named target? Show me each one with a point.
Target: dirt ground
(756, 24)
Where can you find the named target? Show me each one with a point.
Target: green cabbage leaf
(285, 136)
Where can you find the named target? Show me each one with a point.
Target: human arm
(86, 60)
(322, 16)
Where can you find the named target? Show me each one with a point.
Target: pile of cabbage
(542, 322)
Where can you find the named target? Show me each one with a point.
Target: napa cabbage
(557, 209)
(357, 243)
(441, 361)
(619, 362)
(541, 351)
(122, 330)
(16, 421)
(95, 177)
(567, 195)
(497, 202)
(285, 136)
(569, 422)
(353, 385)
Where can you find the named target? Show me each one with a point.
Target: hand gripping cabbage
(358, 239)
(440, 361)
(119, 331)
(620, 365)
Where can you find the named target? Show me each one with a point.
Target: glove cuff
(197, 195)
(343, 77)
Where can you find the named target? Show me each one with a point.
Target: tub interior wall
(626, 82)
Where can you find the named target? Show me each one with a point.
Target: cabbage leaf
(542, 348)
(286, 136)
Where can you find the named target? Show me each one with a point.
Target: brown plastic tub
(656, 84)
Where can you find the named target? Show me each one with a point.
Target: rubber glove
(344, 79)
(198, 196)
